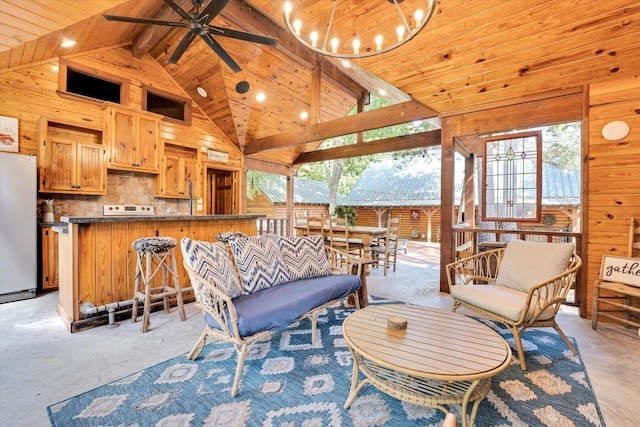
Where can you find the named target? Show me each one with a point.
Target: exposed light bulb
(334, 45)
(287, 9)
(314, 39)
(378, 42)
(400, 32)
(356, 47)
(418, 15)
(296, 26)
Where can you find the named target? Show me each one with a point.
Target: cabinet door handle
(73, 186)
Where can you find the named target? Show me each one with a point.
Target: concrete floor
(41, 363)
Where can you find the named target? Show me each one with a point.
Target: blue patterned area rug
(287, 382)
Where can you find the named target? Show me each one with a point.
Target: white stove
(127, 210)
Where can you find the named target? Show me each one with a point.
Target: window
(167, 104)
(512, 177)
(78, 80)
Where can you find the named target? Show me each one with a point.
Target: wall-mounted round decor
(549, 219)
(615, 130)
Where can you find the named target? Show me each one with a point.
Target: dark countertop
(151, 218)
(51, 224)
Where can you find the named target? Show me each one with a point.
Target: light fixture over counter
(355, 28)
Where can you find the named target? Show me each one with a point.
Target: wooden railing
(278, 226)
(466, 241)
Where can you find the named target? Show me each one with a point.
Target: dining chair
(315, 225)
(386, 251)
(339, 237)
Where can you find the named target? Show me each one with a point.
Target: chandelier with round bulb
(355, 28)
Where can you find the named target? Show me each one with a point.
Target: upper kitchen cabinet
(71, 158)
(179, 168)
(132, 139)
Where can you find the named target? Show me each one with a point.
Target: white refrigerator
(18, 226)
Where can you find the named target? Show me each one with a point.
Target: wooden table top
(437, 344)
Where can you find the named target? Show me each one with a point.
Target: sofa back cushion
(526, 264)
(211, 261)
(259, 262)
(304, 257)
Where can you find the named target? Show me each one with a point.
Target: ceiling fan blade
(173, 5)
(182, 47)
(221, 52)
(212, 10)
(241, 35)
(145, 21)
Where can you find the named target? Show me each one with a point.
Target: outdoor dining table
(365, 234)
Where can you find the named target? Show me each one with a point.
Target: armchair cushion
(304, 256)
(275, 308)
(211, 261)
(259, 262)
(526, 264)
(500, 300)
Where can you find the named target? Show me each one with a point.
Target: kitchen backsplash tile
(122, 188)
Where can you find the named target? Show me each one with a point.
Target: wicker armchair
(521, 286)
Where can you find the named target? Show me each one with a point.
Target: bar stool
(158, 255)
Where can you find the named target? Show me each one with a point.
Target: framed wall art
(8, 134)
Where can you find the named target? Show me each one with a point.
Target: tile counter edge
(102, 219)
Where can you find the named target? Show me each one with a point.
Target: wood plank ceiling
(470, 55)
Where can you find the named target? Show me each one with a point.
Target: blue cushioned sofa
(262, 284)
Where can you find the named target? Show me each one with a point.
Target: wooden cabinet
(72, 159)
(49, 259)
(179, 167)
(132, 139)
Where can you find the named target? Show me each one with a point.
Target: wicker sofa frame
(221, 308)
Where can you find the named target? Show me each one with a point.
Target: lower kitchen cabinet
(49, 259)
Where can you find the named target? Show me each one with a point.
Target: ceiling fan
(198, 25)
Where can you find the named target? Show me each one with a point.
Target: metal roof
(389, 183)
(304, 192)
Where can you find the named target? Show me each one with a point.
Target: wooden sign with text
(620, 269)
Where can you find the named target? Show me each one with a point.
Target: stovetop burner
(127, 210)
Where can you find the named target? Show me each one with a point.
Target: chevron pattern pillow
(304, 256)
(211, 261)
(259, 262)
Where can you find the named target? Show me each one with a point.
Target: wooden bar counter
(97, 263)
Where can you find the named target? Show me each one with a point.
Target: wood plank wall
(29, 92)
(614, 172)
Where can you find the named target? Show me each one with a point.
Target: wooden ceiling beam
(374, 119)
(245, 16)
(396, 143)
(152, 34)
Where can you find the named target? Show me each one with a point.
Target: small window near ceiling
(77, 80)
(512, 177)
(167, 104)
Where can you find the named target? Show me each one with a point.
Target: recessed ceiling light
(261, 97)
(68, 43)
(304, 115)
(383, 92)
(201, 92)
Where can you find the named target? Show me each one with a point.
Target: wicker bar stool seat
(155, 255)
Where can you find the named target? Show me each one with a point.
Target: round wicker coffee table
(441, 358)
